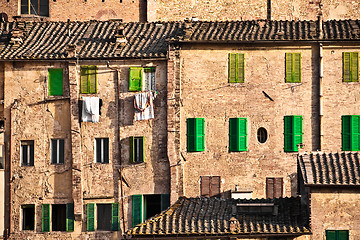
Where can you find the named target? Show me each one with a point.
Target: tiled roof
(330, 168)
(191, 217)
(113, 39)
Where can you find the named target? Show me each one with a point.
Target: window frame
(349, 67)
(236, 66)
(47, 216)
(238, 134)
(292, 64)
(212, 183)
(105, 152)
(348, 133)
(272, 189)
(51, 91)
(30, 158)
(136, 153)
(195, 134)
(138, 80)
(291, 134)
(58, 141)
(38, 10)
(337, 234)
(85, 74)
(24, 206)
(92, 216)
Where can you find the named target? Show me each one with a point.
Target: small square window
(57, 151)
(28, 217)
(102, 150)
(27, 153)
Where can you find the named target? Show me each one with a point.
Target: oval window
(262, 135)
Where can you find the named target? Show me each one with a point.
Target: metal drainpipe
(321, 98)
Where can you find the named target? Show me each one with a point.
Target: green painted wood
(237, 134)
(55, 84)
(288, 67)
(45, 218)
(135, 79)
(70, 217)
(293, 133)
(84, 80)
(232, 67)
(354, 66)
(241, 67)
(138, 206)
(115, 217)
(92, 79)
(346, 67)
(90, 216)
(296, 67)
(342, 234)
(346, 132)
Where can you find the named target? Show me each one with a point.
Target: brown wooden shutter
(278, 187)
(214, 186)
(205, 186)
(269, 187)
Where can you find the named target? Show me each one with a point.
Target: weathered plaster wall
(206, 93)
(335, 209)
(340, 98)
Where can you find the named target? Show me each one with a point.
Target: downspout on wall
(321, 83)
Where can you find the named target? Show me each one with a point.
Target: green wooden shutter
(84, 80)
(55, 82)
(200, 134)
(288, 67)
(330, 235)
(233, 68)
(241, 67)
(45, 217)
(191, 126)
(355, 133)
(293, 134)
(237, 134)
(92, 79)
(297, 67)
(346, 133)
(165, 201)
(346, 67)
(69, 217)
(132, 149)
(90, 216)
(135, 79)
(138, 201)
(195, 134)
(354, 67)
(115, 217)
(342, 234)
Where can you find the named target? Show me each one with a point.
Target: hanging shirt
(144, 106)
(90, 109)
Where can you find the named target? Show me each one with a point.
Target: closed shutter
(355, 133)
(69, 217)
(298, 131)
(92, 78)
(293, 67)
(115, 217)
(135, 79)
(293, 133)
(214, 186)
(232, 67)
(205, 186)
(138, 201)
(55, 82)
(84, 80)
(297, 67)
(288, 67)
(241, 67)
(346, 133)
(90, 216)
(278, 187)
(195, 134)
(331, 235)
(346, 67)
(237, 134)
(269, 187)
(354, 67)
(343, 235)
(351, 133)
(165, 201)
(45, 218)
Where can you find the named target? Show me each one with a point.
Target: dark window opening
(1, 156)
(28, 217)
(262, 135)
(102, 150)
(58, 217)
(257, 208)
(35, 7)
(104, 217)
(57, 151)
(152, 205)
(137, 149)
(27, 153)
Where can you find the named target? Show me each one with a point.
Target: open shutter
(92, 79)
(165, 201)
(55, 82)
(115, 217)
(297, 131)
(214, 185)
(45, 218)
(233, 69)
(288, 67)
(346, 133)
(135, 79)
(69, 217)
(241, 67)
(355, 133)
(269, 187)
(84, 85)
(138, 201)
(242, 134)
(297, 67)
(90, 216)
(205, 186)
(278, 187)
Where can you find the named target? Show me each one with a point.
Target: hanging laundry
(144, 106)
(90, 109)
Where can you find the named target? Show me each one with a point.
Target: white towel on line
(90, 109)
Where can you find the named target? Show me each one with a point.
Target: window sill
(30, 16)
(55, 98)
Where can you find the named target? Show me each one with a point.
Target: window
(27, 153)
(350, 66)
(195, 134)
(274, 187)
(137, 146)
(107, 216)
(141, 79)
(57, 151)
(1, 156)
(209, 186)
(57, 217)
(147, 206)
(337, 234)
(293, 133)
(35, 7)
(236, 67)
(293, 67)
(262, 135)
(102, 150)
(88, 79)
(28, 217)
(237, 134)
(351, 133)
(55, 82)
